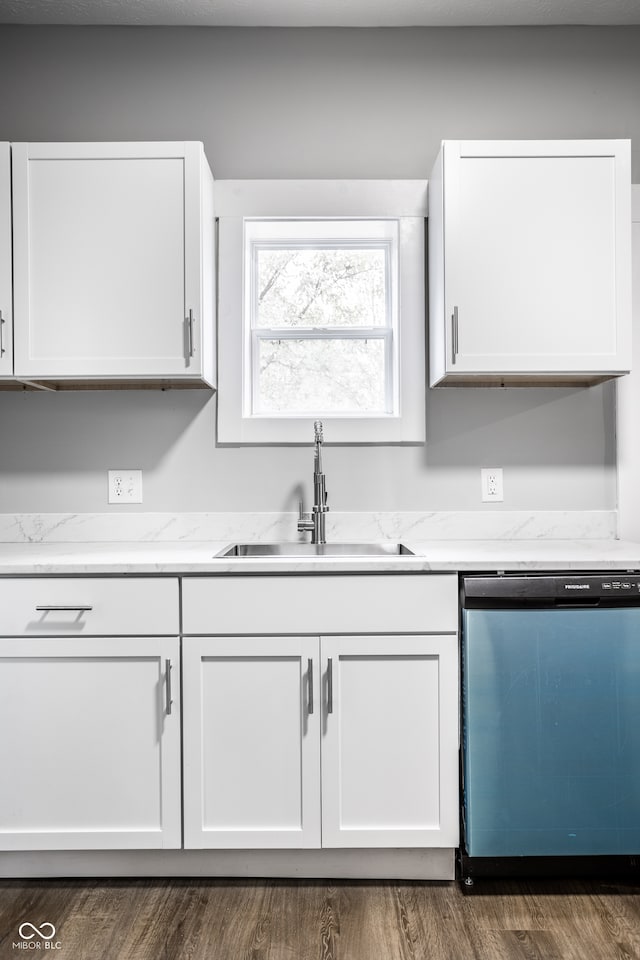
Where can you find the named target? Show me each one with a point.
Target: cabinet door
(536, 256)
(6, 291)
(90, 749)
(108, 259)
(390, 741)
(251, 742)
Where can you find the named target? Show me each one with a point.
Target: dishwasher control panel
(553, 590)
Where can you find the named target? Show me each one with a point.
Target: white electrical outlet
(125, 486)
(491, 482)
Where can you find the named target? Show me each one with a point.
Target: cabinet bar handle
(167, 680)
(190, 323)
(329, 685)
(310, 682)
(454, 335)
(53, 607)
(2, 323)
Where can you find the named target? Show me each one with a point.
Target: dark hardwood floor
(320, 920)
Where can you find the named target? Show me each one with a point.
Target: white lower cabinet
(290, 739)
(91, 754)
(90, 745)
(390, 741)
(338, 741)
(251, 717)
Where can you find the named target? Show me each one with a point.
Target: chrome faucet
(315, 521)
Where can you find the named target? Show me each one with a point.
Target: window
(320, 316)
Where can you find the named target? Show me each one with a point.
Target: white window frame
(314, 234)
(399, 202)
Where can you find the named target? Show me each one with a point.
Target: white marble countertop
(199, 557)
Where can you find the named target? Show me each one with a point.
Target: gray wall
(314, 103)
(628, 404)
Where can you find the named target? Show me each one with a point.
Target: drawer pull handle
(167, 679)
(310, 682)
(57, 607)
(329, 685)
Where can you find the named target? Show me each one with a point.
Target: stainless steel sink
(379, 549)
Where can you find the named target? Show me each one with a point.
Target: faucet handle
(317, 426)
(305, 522)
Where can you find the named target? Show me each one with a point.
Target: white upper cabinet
(6, 299)
(529, 262)
(113, 262)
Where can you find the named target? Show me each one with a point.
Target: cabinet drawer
(315, 604)
(91, 606)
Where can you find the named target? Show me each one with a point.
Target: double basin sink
(382, 548)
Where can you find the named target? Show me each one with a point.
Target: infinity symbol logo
(36, 930)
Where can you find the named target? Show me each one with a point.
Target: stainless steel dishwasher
(551, 722)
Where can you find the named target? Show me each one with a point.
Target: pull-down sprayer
(315, 522)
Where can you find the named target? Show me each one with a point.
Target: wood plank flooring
(321, 920)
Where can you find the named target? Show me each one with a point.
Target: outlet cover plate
(492, 486)
(125, 486)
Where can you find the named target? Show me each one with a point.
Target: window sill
(299, 430)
